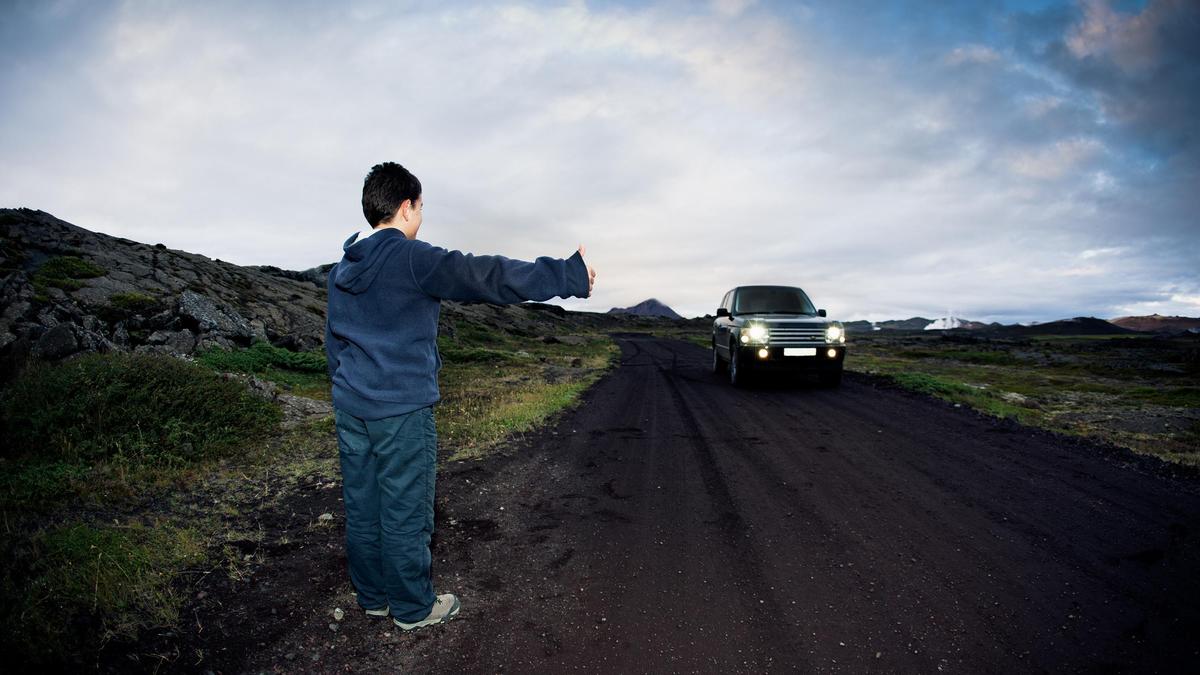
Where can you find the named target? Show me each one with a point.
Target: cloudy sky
(1002, 160)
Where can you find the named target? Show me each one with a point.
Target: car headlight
(834, 334)
(757, 332)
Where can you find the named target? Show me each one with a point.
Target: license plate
(799, 351)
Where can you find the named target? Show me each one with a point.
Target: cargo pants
(388, 471)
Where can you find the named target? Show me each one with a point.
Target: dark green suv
(776, 328)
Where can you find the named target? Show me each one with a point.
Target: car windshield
(772, 299)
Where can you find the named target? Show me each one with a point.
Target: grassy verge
(495, 384)
(1142, 393)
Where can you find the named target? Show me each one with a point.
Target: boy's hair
(385, 189)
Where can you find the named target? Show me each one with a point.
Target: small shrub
(141, 408)
(929, 384)
(302, 373)
(64, 271)
(121, 306)
(261, 357)
(25, 485)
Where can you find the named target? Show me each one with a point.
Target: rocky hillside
(66, 289)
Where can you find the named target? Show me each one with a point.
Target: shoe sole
(430, 622)
(382, 613)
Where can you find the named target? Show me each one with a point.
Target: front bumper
(748, 357)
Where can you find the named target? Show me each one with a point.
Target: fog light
(745, 338)
(762, 353)
(832, 353)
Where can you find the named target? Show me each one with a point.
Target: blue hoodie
(384, 300)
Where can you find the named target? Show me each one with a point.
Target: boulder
(57, 342)
(202, 314)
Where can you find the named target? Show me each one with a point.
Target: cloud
(1143, 68)
(1055, 160)
(972, 54)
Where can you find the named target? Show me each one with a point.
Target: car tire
(831, 379)
(736, 375)
(718, 366)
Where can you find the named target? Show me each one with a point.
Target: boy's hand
(591, 270)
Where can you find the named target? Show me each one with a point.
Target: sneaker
(445, 607)
(380, 613)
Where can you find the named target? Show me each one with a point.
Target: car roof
(740, 288)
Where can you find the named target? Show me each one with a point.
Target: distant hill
(651, 307)
(1080, 325)
(915, 323)
(1156, 323)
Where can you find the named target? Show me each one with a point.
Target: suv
(776, 328)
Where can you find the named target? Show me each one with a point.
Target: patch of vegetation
(1095, 386)
(70, 589)
(26, 484)
(511, 385)
(123, 412)
(302, 373)
(122, 306)
(1180, 397)
(11, 256)
(64, 272)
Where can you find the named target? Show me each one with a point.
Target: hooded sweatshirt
(384, 300)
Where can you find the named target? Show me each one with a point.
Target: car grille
(781, 336)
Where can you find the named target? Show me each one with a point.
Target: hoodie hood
(363, 257)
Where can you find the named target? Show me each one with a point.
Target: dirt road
(675, 524)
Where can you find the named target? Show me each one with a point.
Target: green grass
(116, 415)
(301, 373)
(1181, 397)
(70, 589)
(490, 392)
(64, 272)
(122, 306)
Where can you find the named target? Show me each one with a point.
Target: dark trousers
(388, 472)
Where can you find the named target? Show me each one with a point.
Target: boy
(381, 341)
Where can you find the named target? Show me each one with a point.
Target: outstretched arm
(453, 275)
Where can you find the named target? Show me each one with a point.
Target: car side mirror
(721, 311)
(820, 312)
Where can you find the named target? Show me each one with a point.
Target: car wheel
(736, 377)
(831, 379)
(717, 364)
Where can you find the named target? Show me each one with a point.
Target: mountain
(651, 307)
(1158, 324)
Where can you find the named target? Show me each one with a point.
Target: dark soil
(672, 523)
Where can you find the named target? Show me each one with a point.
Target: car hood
(790, 318)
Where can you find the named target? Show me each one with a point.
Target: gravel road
(673, 523)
